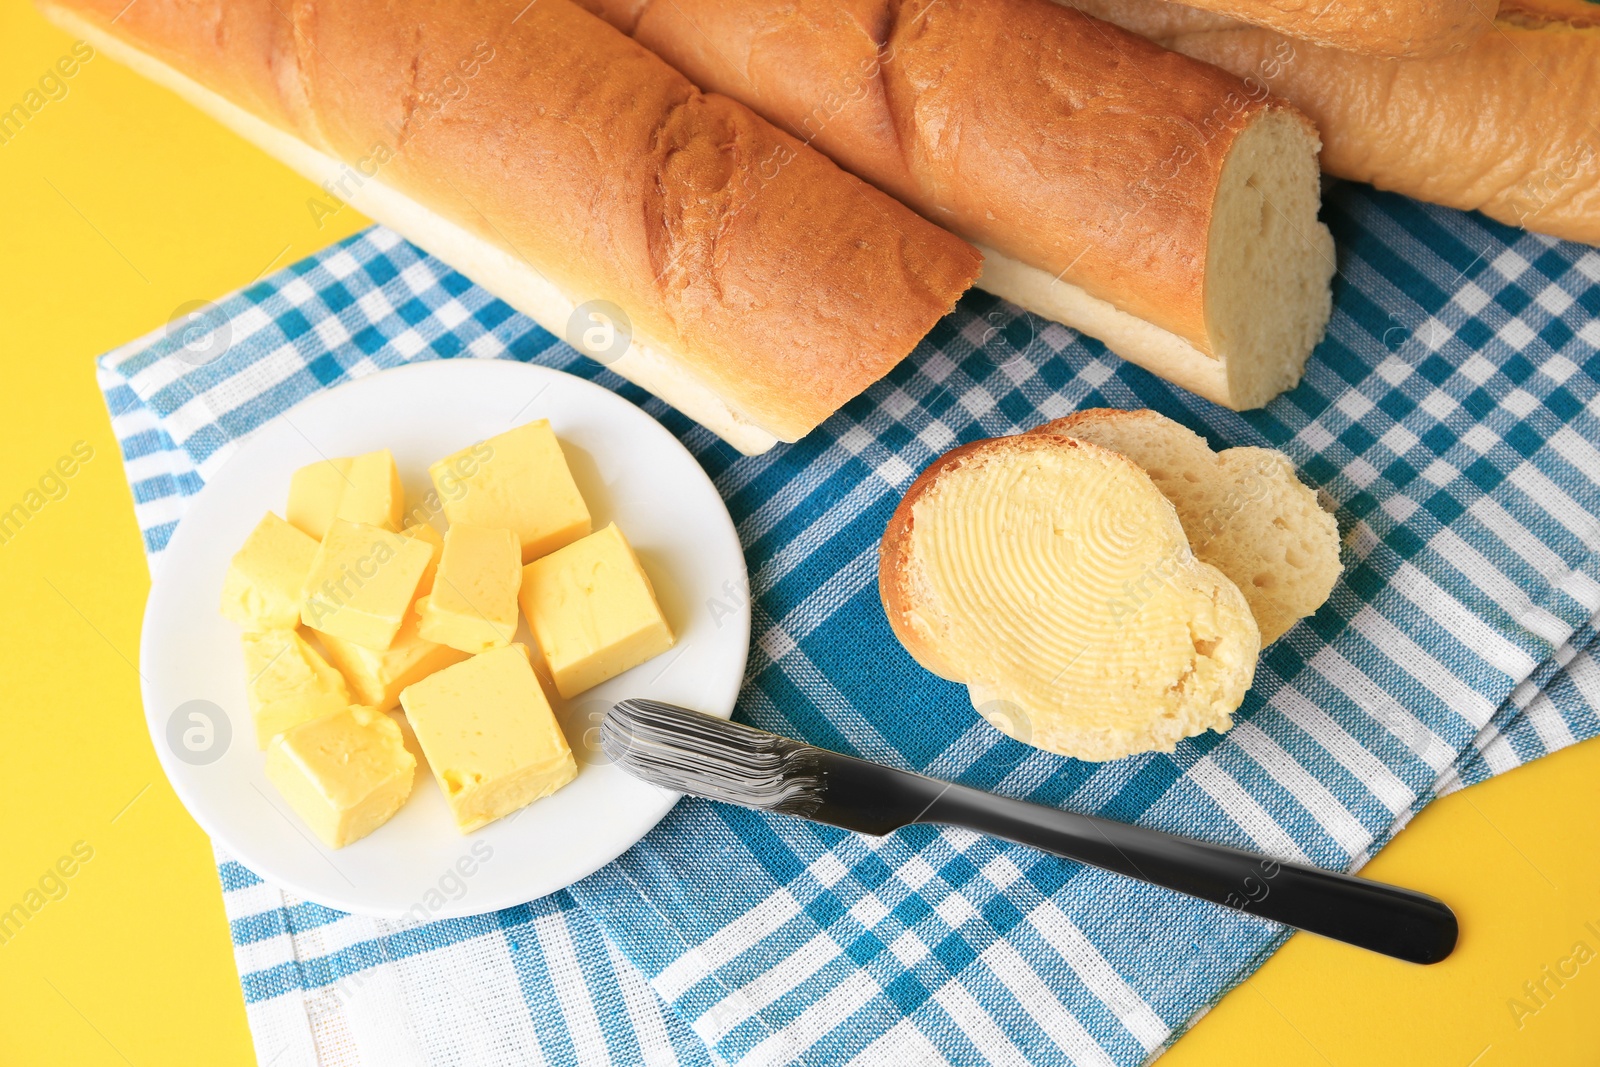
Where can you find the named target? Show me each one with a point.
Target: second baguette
(1507, 126)
(1370, 27)
(1150, 201)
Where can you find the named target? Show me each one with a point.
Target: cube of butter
(314, 492)
(372, 492)
(375, 677)
(434, 540)
(517, 481)
(262, 588)
(473, 605)
(489, 735)
(345, 773)
(592, 611)
(287, 682)
(362, 583)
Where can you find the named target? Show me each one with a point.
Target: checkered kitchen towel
(1452, 413)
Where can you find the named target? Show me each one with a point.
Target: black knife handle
(1397, 922)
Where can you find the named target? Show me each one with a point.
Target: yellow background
(120, 204)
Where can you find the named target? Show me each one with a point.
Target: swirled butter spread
(1052, 578)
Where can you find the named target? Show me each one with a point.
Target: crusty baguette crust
(1370, 27)
(775, 279)
(497, 269)
(1055, 139)
(1137, 340)
(1571, 12)
(1506, 127)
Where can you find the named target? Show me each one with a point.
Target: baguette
(1053, 579)
(1370, 27)
(1244, 510)
(1151, 201)
(1509, 127)
(556, 162)
(1571, 12)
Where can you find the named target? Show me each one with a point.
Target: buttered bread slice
(1053, 579)
(1245, 510)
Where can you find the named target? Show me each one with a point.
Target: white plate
(629, 469)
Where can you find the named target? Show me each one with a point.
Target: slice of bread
(1245, 510)
(1052, 578)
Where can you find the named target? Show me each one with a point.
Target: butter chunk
(287, 682)
(434, 540)
(372, 492)
(517, 481)
(376, 676)
(473, 605)
(345, 773)
(362, 583)
(262, 588)
(489, 735)
(592, 611)
(314, 492)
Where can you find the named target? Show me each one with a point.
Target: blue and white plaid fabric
(1452, 414)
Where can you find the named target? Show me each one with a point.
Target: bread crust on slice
(1052, 578)
(1245, 510)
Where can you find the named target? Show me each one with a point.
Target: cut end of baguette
(1245, 511)
(1053, 579)
(1269, 262)
(1269, 267)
